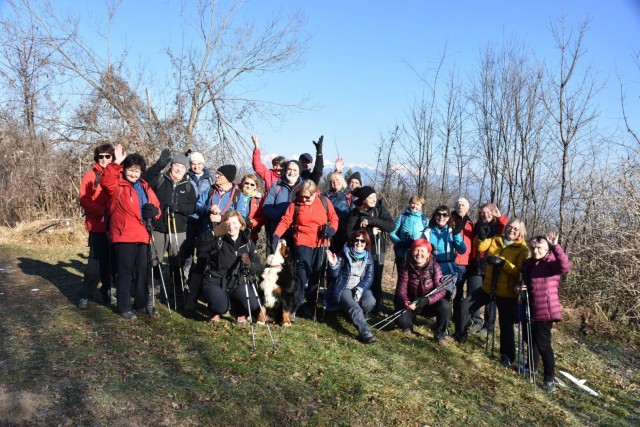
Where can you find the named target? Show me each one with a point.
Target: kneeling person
(416, 277)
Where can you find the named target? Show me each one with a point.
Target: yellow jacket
(513, 255)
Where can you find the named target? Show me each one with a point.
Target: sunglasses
(442, 214)
(104, 156)
(250, 184)
(305, 197)
(359, 241)
(511, 228)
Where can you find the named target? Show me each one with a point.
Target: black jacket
(220, 258)
(181, 194)
(376, 217)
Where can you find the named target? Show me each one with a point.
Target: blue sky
(357, 68)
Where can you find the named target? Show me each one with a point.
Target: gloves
(458, 223)
(495, 260)
(483, 230)
(245, 264)
(329, 232)
(274, 242)
(319, 144)
(149, 211)
(165, 158)
(172, 208)
(358, 294)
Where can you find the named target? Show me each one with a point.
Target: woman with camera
(226, 264)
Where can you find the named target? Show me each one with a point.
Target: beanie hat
(297, 164)
(197, 157)
(180, 160)
(463, 200)
(422, 243)
(355, 175)
(364, 192)
(306, 157)
(228, 171)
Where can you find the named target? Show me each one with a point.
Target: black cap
(229, 172)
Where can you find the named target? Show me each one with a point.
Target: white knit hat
(197, 157)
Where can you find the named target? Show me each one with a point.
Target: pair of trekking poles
(173, 242)
(445, 283)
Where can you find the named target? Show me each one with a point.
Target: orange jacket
(308, 226)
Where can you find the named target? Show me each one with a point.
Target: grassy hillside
(62, 366)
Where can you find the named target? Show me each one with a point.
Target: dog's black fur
(285, 287)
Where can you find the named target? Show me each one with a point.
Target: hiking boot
(548, 386)
(150, 311)
(486, 330)
(407, 332)
(215, 319)
(83, 304)
(504, 361)
(441, 341)
(459, 338)
(113, 300)
(476, 327)
(129, 315)
(241, 320)
(367, 337)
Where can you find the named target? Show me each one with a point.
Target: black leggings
(220, 301)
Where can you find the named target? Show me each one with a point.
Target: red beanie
(422, 243)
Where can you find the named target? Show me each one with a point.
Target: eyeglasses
(250, 184)
(359, 241)
(512, 228)
(305, 197)
(104, 156)
(442, 214)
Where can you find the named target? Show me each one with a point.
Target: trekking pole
(444, 284)
(532, 371)
(322, 277)
(171, 267)
(177, 259)
(263, 311)
(157, 258)
(492, 300)
(520, 339)
(246, 290)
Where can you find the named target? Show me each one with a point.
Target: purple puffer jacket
(542, 277)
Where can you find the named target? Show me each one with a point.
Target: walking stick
(444, 284)
(247, 281)
(520, 339)
(323, 273)
(532, 371)
(497, 263)
(155, 251)
(177, 260)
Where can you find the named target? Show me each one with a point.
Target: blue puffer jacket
(409, 227)
(201, 185)
(278, 199)
(446, 247)
(339, 275)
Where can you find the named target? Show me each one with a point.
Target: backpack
(324, 201)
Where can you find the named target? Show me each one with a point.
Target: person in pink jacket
(542, 274)
(269, 176)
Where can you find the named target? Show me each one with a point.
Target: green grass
(92, 368)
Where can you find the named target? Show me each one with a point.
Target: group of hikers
(209, 226)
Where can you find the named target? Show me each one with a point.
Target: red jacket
(308, 225)
(126, 225)
(93, 200)
(414, 283)
(268, 175)
(467, 238)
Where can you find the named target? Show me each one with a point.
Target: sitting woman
(409, 227)
(225, 255)
(352, 275)
(416, 278)
(542, 275)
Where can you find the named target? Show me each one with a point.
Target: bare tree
(568, 98)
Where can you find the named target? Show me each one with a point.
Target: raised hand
(120, 154)
(256, 143)
(552, 238)
(494, 210)
(339, 164)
